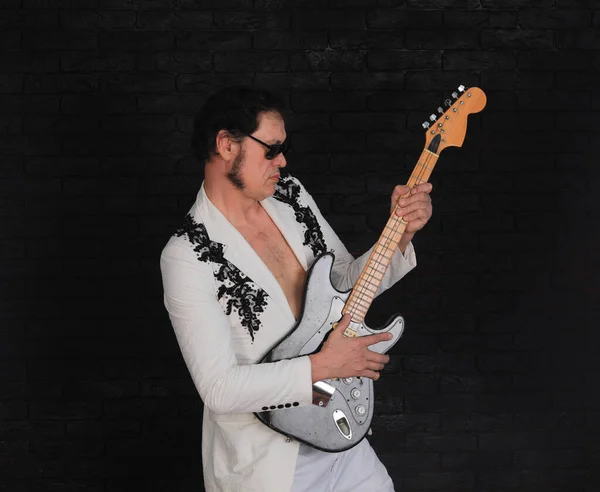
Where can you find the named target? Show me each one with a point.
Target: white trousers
(355, 470)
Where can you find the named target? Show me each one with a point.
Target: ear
(227, 148)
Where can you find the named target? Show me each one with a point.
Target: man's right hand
(344, 357)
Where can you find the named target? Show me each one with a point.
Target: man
(233, 277)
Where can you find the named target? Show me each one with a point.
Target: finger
(374, 375)
(419, 214)
(422, 188)
(343, 322)
(376, 338)
(376, 358)
(375, 367)
(411, 206)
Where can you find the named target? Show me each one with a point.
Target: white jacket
(227, 311)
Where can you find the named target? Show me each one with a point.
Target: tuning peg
(433, 117)
(454, 95)
(425, 125)
(440, 110)
(461, 88)
(448, 102)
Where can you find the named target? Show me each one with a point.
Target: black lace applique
(288, 192)
(241, 294)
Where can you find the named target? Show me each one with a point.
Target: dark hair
(235, 109)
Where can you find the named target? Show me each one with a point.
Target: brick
(136, 40)
(13, 410)
(22, 145)
(524, 39)
(175, 61)
(507, 402)
(328, 101)
(401, 60)
(214, 40)
(512, 441)
(28, 19)
(172, 20)
(476, 422)
(290, 40)
(446, 39)
(369, 81)
(328, 142)
(434, 4)
(478, 60)
(508, 4)
(50, 409)
(480, 460)
(563, 458)
(439, 481)
(365, 40)
(440, 443)
(61, 83)
(175, 144)
(484, 19)
(257, 61)
(103, 19)
(93, 61)
(446, 81)
(10, 39)
(253, 20)
(403, 18)
(327, 60)
(329, 19)
(60, 40)
(388, 101)
(554, 19)
(59, 4)
(419, 422)
(578, 39)
(97, 104)
(29, 104)
(11, 125)
(559, 60)
(367, 121)
(298, 81)
(452, 363)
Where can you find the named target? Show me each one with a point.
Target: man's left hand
(414, 205)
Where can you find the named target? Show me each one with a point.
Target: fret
(360, 303)
(364, 286)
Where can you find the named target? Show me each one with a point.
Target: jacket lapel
(239, 252)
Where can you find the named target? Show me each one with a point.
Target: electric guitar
(342, 409)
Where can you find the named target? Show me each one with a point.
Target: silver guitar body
(343, 421)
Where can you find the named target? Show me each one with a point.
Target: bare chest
(275, 252)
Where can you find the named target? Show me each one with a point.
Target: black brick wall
(493, 388)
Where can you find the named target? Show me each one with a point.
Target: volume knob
(360, 410)
(355, 393)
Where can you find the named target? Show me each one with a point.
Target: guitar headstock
(449, 127)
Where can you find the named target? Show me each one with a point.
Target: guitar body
(345, 420)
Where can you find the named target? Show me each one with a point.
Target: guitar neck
(372, 274)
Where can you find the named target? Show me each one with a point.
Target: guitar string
(359, 295)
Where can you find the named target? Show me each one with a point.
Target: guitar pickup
(322, 393)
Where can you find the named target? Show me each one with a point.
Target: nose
(280, 160)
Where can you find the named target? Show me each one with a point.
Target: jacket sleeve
(346, 269)
(206, 341)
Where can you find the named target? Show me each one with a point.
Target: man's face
(251, 172)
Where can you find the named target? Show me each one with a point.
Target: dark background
(494, 386)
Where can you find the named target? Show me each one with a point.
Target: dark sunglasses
(274, 150)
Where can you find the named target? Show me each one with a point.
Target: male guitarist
(233, 277)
